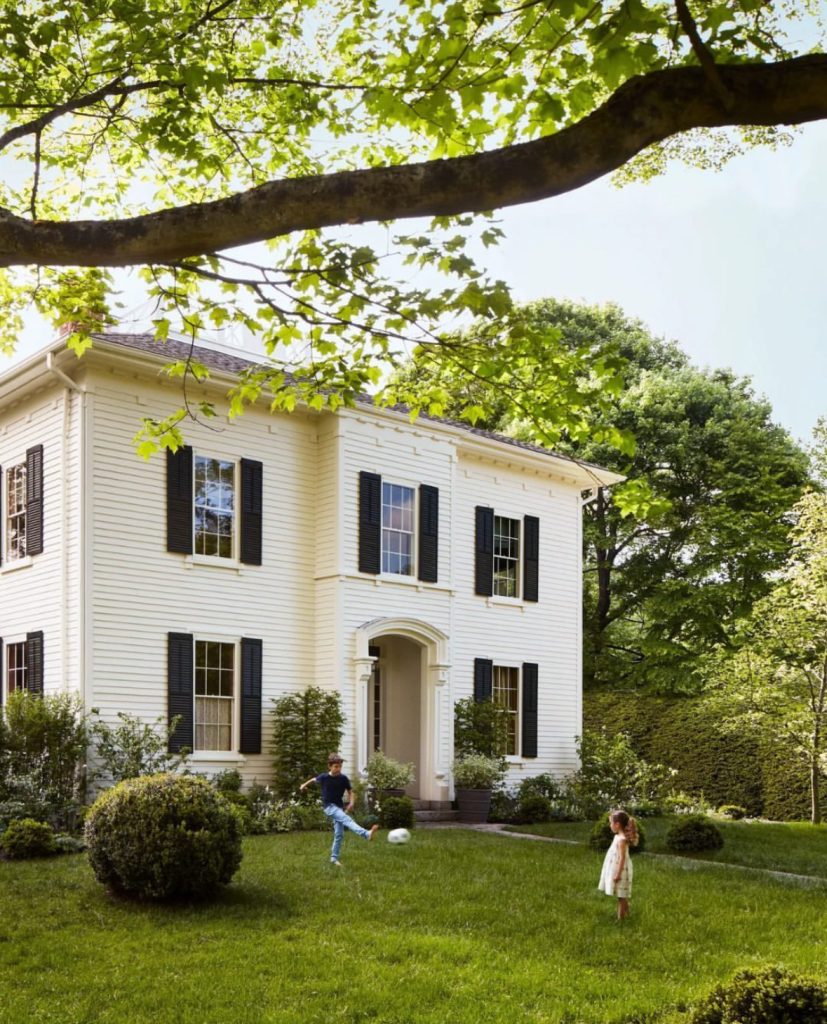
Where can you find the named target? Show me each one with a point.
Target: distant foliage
(769, 996)
(601, 837)
(163, 837)
(26, 838)
(396, 812)
(134, 747)
(732, 811)
(693, 833)
(612, 774)
(306, 727)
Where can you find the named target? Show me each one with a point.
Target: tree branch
(705, 58)
(644, 110)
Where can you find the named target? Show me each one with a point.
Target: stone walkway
(687, 863)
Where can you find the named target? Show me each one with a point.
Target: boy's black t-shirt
(334, 788)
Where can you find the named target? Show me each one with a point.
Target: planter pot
(391, 792)
(473, 804)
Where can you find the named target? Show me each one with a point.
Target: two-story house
(404, 564)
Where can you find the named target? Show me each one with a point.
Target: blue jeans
(341, 821)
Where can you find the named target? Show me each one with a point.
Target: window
(17, 677)
(398, 508)
(214, 694)
(506, 692)
(16, 512)
(506, 556)
(214, 507)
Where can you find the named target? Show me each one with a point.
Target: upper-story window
(214, 507)
(16, 512)
(506, 556)
(398, 511)
(214, 694)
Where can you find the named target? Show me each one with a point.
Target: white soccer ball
(399, 835)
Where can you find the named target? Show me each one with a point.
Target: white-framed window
(398, 528)
(214, 507)
(506, 557)
(215, 694)
(505, 691)
(17, 676)
(16, 512)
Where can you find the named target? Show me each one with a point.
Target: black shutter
(34, 662)
(370, 522)
(428, 533)
(250, 696)
(34, 500)
(484, 552)
(529, 710)
(179, 500)
(251, 511)
(483, 671)
(180, 695)
(531, 558)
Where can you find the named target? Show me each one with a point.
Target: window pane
(213, 506)
(398, 506)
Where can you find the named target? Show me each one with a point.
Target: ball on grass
(399, 835)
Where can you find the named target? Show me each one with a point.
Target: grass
(794, 846)
(454, 927)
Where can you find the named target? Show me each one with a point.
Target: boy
(334, 787)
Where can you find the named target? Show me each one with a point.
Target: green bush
(601, 837)
(477, 771)
(396, 812)
(383, 772)
(134, 747)
(228, 781)
(163, 837)
(534, 809)
(540, 785)
(769, 996)
(504, 806)
(732, 811)
(612, 774)
(480, 727)
(26, 838)
(307, 727)
(310, 817)
(693, 833)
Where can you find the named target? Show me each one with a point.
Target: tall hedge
(747, 768)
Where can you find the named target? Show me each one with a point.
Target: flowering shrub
(477, 771)
(383, 772)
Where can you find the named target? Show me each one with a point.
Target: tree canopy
(133, 133)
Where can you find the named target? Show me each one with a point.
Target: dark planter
(473, 804)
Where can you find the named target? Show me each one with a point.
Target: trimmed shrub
(396, 812)
(307, 726)
(228, 781)
(769, 996)
(693, 833)
(26, 838)
(601, 837)
(534, 809)
(504, 806)
(732, 811)
(163, 837)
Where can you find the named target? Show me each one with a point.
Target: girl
(616, 876)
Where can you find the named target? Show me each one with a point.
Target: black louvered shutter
(370, 523)
(34, 500)
(483, 671)
(529, 710)
(428, 533)
(531, 558)
(34, 662)
(180, 687)
(251, 511)
(250, 696)
(484, 551)
(179, 500)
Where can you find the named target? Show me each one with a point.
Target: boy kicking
(335, 786)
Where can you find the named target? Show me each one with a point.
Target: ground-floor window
(215, 673)
(17, 676)
(505, 690)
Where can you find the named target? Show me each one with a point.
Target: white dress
(607, 882)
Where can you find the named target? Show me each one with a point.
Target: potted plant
(475, 775)
(386, 776)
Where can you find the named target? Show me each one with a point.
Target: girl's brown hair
(628, 824)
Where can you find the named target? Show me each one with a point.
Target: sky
(731, 265)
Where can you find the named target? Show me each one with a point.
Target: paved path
(687, 863)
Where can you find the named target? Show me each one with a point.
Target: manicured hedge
(744, 768)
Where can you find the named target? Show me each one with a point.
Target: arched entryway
(403, 700)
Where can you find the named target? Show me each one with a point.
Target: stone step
(432, 805)
(436, 815)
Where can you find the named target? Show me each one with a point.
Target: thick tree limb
(644, 110)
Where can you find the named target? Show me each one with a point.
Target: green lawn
(455, 927)
(793, 846)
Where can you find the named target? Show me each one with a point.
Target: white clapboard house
(404, 564)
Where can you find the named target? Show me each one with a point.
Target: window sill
(216, 563)
(509, 602)
(225, 756)
(18, 563)
(389, 579)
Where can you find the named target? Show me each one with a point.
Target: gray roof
(215, 359)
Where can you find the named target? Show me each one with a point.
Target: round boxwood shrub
(732, 811)
(693, 833)
(396, 812)
(534, 809)
(769, 996)
(26, 837)
(163, 837)
(601, 837)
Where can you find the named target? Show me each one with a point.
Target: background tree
(666, 588)
(307, 726)
(154, 137)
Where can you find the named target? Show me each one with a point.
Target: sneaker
(335, 863)
(373, 830)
